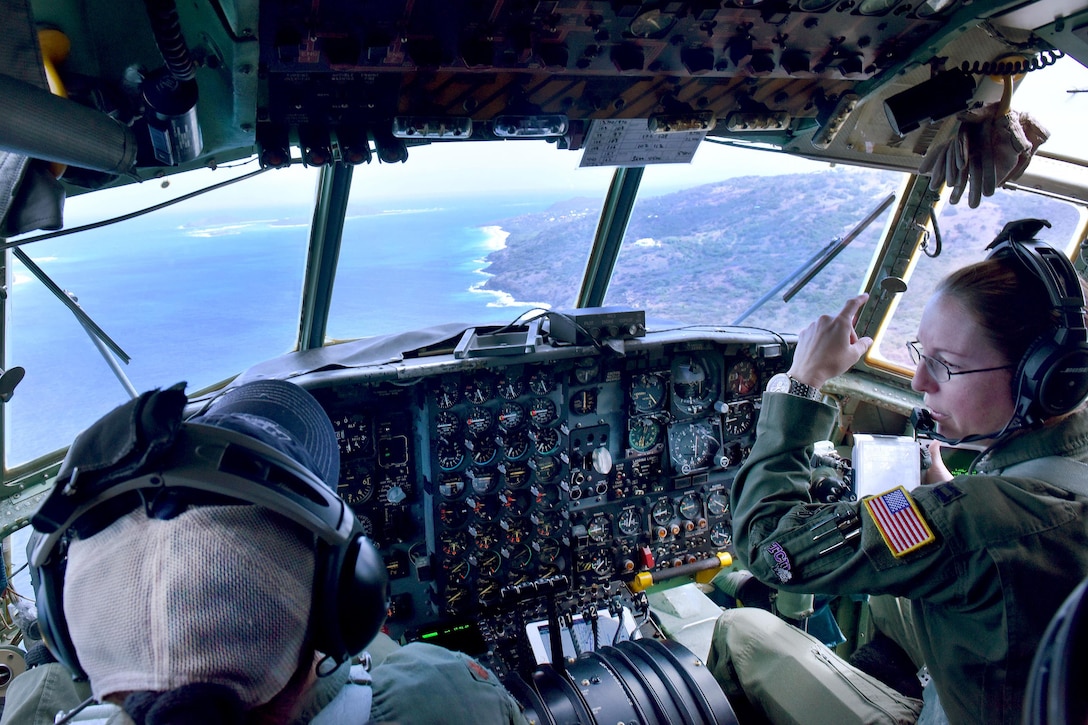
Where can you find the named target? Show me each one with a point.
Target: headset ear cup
(351, 598)
(1057, 375)
(49, 601)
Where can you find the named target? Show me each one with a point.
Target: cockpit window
(194, 292)
(771, 242)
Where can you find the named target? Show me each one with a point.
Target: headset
(1052, 376)
(207, 464)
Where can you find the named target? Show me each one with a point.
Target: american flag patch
(899, 521)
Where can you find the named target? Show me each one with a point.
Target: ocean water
(200, 298)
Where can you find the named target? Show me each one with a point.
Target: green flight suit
(1010, 544)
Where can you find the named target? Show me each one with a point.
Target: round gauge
(515, 529)
(479, 389)
(717, 504)
(545, 525)
(690, 507)
(487, 591)
(546, 496)
(479, 421)
(542, 382)
(511, 416)
(520, 556)
(545, 440)
(447, 424)
(629, 522)
(450, 454)
(692, 446)
(515, 446)
(353, 433)
(517, 474)
(452, 515)
(742, 378)
(661, 513)
(542, 411)
(693, 388)
(509, 387)
(356, 485)
(645, 433)
(598, 565)
(484, 538)
(586, 370)
(483, 481)
(721, 535)
(457, 569)
(547, 468)
(740, 418)
(453, 544)
(516, 501)
(451, 485)
(584, 402)
(447, 394)
(597, 528)
(482, 452)
(456, 598)
(548, 550)
(647, 392)
(650, 24)
(488, 562)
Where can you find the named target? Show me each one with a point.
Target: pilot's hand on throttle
(830, 346)
(937, 471)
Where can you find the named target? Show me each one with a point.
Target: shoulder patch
(899, 521)
(946, 493)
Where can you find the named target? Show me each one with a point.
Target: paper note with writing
(628, 142)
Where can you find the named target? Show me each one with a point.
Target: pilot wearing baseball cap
(204, 570)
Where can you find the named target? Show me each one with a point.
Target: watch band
(804, 391)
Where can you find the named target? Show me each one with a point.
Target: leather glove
(990, 148)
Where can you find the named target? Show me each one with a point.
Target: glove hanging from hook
(992, 146)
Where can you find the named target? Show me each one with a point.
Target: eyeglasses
(939, 370)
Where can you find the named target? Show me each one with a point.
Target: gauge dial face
(450, 454)
(597, 528)
(515, 446)
(483, 480)
(479, 421)
(721, 535)
(661, 513)
(586, 370)
(717, 504)
(742, 378)
(548, 550)
(453, 515)
(693, 387)
(451, 485)
(482, 452)
(692, 446)
(356, 485)
(517, 474)
(479, 389)
(542, 411)
(488, 562)
(629, 522)
(739, 418)
(447, 395)
(354, 434)
(547, 468)
(509, 387)
(651, 23)
(511, 416)
(542, 382)
(647, 392)
(453, 544)
(447, 424)
(644, 435)
(545, 440)
(690, 506)
(584, 402)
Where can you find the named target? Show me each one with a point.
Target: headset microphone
(923, 423)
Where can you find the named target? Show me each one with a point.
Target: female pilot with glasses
(976, 564)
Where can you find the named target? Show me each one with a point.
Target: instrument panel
(499, 487)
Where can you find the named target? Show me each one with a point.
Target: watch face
(780, 383)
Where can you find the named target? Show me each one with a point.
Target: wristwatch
(783, 383)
